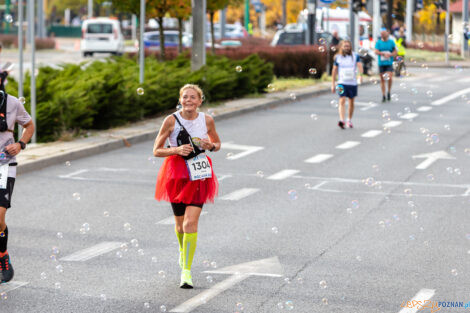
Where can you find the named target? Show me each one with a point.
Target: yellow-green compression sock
(189, 247)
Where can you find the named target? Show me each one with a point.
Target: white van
(102, 35)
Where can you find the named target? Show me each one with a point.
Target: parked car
(297, 36)
(101, 35)
(232, 31)
(152, 39)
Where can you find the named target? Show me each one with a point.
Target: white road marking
(171, 220)
(223, 177)
(74, 174)
(12, 285)
(89, 253)
(431, 158)
(371, 133)
(424, 108)
(409, 116)
(451, 97)
(319, 158)
(283, 174)
(392, 124)
(422, 295)
(464, 80)
(247, 150)
(266, 267)
(366, 105)
(240, 194)
(439, 79)
(319, 185)
(348, 145)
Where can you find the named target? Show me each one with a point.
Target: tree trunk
(284, 12)
(211, 15)
(162, 38)
(180, 35)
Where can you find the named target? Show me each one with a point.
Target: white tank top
(196, 128)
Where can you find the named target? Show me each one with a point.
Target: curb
(115, 144)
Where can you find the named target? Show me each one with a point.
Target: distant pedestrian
(12, 111)
(335, 38)
(386, 50)
(186, 178)
(347, 66)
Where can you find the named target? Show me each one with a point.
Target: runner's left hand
(13, 149)
(206, 144)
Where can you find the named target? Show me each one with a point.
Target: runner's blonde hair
(193, 87)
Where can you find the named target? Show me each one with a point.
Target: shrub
(100, 95)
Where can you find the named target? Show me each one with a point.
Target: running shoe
(341, 124)
(6, 269)
(181, 259)
(388, 96)
(350, 125)
(383, 98)
(186, 280)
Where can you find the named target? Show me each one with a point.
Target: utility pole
(141, 42)
(311, 31)
(41, 26)
(447, 27)
(352, 24)
(377, 20)
(223, 21)
(90, 8)
(409, 20)
(33, 65)
(464, 22)
(198, 57)
(20, 48)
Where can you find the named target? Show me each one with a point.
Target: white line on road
(89, 253)
(74, 174)
(319, 158)
(247, 150)
(409, 116)
(431, 158)
(12, 285)
(371, 133)
(348, 145)
(422, 295)
(240, 194)
(171, 220)
(392, 124)
(283, 174)
(451, 97)
(424, 108)
(366, 105)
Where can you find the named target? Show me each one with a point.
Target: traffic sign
(327, 1)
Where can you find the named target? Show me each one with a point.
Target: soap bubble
(106, 214)
(412, 237)
(386, 116)
(135, 243)
(162, 308)
(146, 305)
(321, 49)
(103, 297)
(349, 210)
(53, 258)
(339, 89)
(86, 226)
(214, 264)
(454, 272)
(325, 301)
(127, 227)
(229, 155)
(206, 263)
(382, 224)
(209, 279)
(300, 280)
(60, 235)
(414, 91)
(292, 96)
(154, 259)
(271, 87)
(322, 41)
(403, 85)
(55, 250)
(355, 204)
(289, 305)
(292, 194)
(447, 126)
(429, 93)
(407, 192)
(161, 274)
(260, 174)
(239, 69)
(314, 117)
(430, 177)
(76, 196)
(8, 18)
(457, 171)
(67, 163)
(59, 268)
(43, 276)
(287, 280)
(323, 284)
(124, 247)
(57, 286)
(334, 103)
(280, 305)
(395, 97)
(119, 254)
(240, 306)
(275, 230)
(450, 170)
(312, 71)
(414, 214)
(140, 252)
(3, 296)
(140, 91)
(369, 181)
(386, 76)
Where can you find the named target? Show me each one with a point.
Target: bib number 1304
(199, 167)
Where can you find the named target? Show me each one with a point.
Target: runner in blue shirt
(386, 50)
(347, 66)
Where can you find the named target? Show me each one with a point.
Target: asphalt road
(362, 227)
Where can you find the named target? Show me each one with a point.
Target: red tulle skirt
(173, 184)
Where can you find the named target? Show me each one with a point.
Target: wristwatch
(213, 148)
(22, 144)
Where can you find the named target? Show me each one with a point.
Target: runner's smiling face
(190, 100)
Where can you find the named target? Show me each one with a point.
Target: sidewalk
(37, 156)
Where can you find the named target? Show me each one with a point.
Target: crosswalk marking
(422, 295)
(409, 116)
(319, 158)
(246, 150)
(348, 145)
(424, 108)
(450, 97)
(371, 133)
(240, 194)
(392, 124)
(12, 285)
(283, 174)
(89, 253)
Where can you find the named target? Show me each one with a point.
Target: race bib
(348, 73)
(4, 176)
(199, 167)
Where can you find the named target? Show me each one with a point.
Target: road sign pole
(141, 42)
(409, 20)
(446, 38)
(465, 27)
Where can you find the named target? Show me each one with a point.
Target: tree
(180, 9)
(212, 7)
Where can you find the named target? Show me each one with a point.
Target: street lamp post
(311, 32)
(141, 42)
(33, 64)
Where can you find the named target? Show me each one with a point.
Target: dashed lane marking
(371, 133)
(451, 97)
(89, 253)
(424, 108)
(348, 145)
(283, 174)
(319, 158)
(392, 124)
(240, 194)
(409, 116)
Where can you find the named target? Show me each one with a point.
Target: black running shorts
(180, 208)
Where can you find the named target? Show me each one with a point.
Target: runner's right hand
(184, 150)
(333, 88)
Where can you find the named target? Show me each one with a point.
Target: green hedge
(101, 95)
